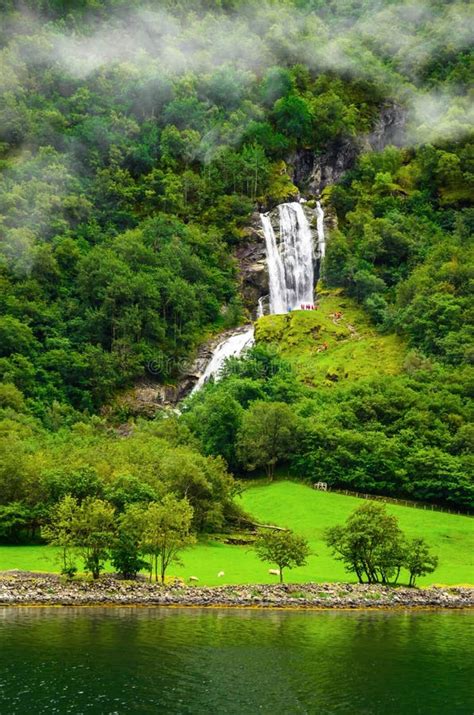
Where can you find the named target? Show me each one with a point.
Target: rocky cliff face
(149, 397)
(389, 128)
(253, 265)
(312, 173)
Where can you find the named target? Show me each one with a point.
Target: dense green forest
(136, 140)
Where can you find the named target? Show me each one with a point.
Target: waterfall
(276, 270)
(232, 346)
(320, 230)
(290, 260)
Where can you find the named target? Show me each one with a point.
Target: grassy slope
(354, 348)
(354, 351)
(308, 512)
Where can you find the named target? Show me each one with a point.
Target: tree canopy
(136, 142)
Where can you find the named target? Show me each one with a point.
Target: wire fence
(402, 502)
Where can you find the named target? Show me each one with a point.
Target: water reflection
(148, 660)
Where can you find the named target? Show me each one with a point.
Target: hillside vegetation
(309, 513)
(338, 342)
(136, 141)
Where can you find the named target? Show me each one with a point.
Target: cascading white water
(232, 346)
(276, 269)
(290, 260)
(320, 230)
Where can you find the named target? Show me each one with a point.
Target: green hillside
(308, 512)
(335, 343)
(138, 144)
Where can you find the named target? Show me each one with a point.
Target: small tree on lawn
(167, 532)
(370, 544)
(125, 554)
(61, 532)
(419, 560)
(94, 533)
(283, 548)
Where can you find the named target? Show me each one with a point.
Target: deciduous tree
(93, 533)
(283, 548)
(370, 544)
(419, 560)
(267, 435)
(167, 532)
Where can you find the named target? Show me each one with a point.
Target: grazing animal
(274, 572)
(193, 578)
(220, 574)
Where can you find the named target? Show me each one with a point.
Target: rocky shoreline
(51, 590)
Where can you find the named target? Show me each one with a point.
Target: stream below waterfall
(291, 254)
(232, 346)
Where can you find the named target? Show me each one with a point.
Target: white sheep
(193, 578)
(220, 574)
(274, 572)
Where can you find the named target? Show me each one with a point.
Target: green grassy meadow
(321, 347)
(308, 512)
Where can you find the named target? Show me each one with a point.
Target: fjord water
(195, 661)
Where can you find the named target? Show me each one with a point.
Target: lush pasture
(317, 345)
(308, 512)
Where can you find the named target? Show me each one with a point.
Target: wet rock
(252, 262)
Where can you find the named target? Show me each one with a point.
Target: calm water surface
(150, 660)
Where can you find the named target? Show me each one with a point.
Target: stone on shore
(49, 589)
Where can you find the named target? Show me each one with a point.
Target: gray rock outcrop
(253, 269)
(313, 172)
